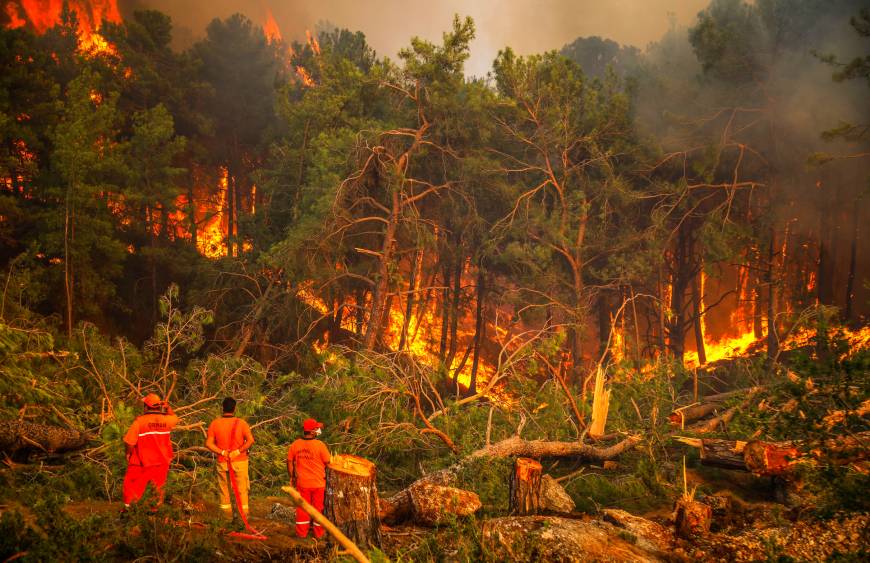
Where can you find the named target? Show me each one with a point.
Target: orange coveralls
(152, 453)
(309, 457)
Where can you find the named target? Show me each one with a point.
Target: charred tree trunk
(382, 284)
(682, 275)
(772, 334)
(604, 328)
(351, 500)
(409, 307)
(454, 311)
(191, 208)
(697, 299)
(231, 223)
(525, 487)
(445, 311)
(479, 328)
(824, 275)
(853, 258)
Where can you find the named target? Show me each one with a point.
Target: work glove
(234, 454)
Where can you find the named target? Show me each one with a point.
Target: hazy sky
(526, 25)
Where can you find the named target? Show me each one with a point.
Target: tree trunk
(382, 284)
(454, 311)
(351, 501)
(853, 258)
(445, 311)
(191, 207)
(525, 487)
(697, 299)
(230, 211)
(479, 328)
(772, 334)
(409, 307)
(67, 260)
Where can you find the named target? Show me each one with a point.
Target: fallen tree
(710, 405)
(18, 437)
(399, 506)
(773, 458)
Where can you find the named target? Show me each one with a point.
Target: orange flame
(90, 14)
(271, 29)
(304, 76)
(312, 42)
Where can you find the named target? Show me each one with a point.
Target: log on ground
(22, 437)
(525, 487)
(553, 538)
(428, 504)
(351, 500)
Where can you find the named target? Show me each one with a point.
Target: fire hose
(252, 533)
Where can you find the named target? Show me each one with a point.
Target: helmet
(310, 425)
(152, 400)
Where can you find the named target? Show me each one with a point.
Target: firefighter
(231, 438)
(148, 449)
(306, 463)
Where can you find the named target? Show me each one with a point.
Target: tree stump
(692, 518)
(351, 501)
(525, 487)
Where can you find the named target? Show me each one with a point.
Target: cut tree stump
(692, 518)
(351, 501)
(525, 487)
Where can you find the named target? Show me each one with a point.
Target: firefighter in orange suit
(149, 449)
(230, 438)
(306, 463)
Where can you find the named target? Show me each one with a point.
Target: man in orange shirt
(148, 449)
(230, 438)
(306, 464)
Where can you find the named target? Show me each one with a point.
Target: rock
(650, 535)
(553, 496)
(553, 538)
(282, 513)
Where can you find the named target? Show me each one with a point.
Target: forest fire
(90, 15)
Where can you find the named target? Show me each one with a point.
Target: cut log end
(352, 465)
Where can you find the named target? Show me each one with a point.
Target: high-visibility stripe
(150, 433)
(306, 522)
(316, 525)
(226, 506)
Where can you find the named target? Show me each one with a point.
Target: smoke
(528, 26)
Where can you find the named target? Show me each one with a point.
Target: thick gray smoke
(529, 26)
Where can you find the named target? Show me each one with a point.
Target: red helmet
(152, 400)
(310, 425)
